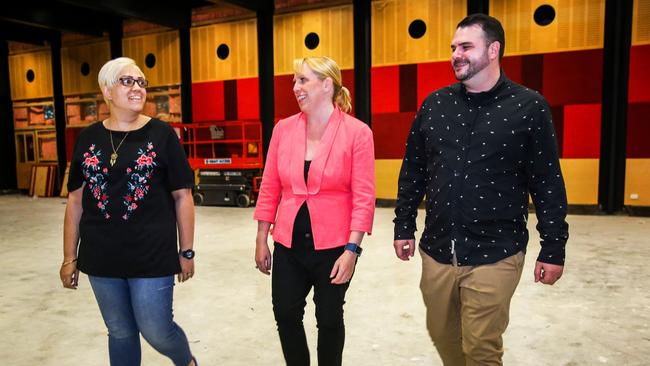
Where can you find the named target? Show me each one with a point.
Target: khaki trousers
(468, 308)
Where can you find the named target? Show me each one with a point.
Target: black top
(302, 223)
(128, 225)
(477, 156)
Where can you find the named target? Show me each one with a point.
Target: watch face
(189, 254)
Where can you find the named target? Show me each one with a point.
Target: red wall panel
(573, 77)
(433, 76)
(248, 98)
(581, 131)
(638, 130)
(384, 85)
(285, 100)
(390, 131)
(511, 65)
(207, 101)
(639, 90)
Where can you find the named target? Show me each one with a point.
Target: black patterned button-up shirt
(477, 156)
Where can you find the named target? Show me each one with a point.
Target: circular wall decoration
(30, 75)
(223, 51)
(312, 40)
(544, 15)
(417, 28)
(150, 60)
(85, 69)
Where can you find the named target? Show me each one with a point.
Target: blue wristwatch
(354, 248)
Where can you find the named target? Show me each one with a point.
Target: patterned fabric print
(96, 178)
(139, 177)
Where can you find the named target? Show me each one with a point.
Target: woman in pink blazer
(318, 192)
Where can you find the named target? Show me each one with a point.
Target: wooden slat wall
(334, 28)
(95, 54)
(578, 25)
(391, 42)
(241, 39)
(41, 87)
(166, 47)
(641, 22)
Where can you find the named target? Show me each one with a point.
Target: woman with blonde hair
(130, 189)
(318, 192)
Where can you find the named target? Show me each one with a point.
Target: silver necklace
(114, 154)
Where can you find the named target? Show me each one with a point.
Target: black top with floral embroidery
(477, 156)
(128, 224)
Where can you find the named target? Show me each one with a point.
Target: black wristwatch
(354, 248)
(187, 254)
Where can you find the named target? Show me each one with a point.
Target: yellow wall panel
(241, 39)
(333, 26)
(581, 180)
(580, 176)
(578, 25)
(391, 42)
(40, 63)
(641, 22)
(386, 174)
(165, 47)
(95, 54)
(637, 183)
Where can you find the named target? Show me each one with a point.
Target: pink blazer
(340, 189)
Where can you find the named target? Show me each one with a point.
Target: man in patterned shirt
(477, 149)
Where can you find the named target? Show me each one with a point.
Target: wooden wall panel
(333, 26)
(641, 22)
(391, 42)
(578, 25)
(40, 62)
(95, 54)
(241, 39)
(165, 47)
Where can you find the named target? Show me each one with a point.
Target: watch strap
(354, 248)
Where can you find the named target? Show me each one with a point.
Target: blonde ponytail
(343, 99)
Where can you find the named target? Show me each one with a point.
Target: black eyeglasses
(128, 81)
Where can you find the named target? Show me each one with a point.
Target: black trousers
(295, 272)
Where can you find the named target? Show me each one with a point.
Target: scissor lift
(227, 159)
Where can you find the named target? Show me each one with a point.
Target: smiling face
(471, 54)
(127, 98)
(310, 91)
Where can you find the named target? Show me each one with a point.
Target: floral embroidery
(96, 178)
(139, 177)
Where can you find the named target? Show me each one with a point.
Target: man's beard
(473, 67)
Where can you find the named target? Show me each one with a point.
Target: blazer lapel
(322, 153)
(297, 164)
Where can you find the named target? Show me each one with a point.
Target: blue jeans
(131, 306)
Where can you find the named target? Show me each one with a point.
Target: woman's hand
(187, 269)
(343, 268)
(69, 275)
(262, 254)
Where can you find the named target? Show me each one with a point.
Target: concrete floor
(599, 313)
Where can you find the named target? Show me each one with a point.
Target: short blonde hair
(110, 72)
(324, 67)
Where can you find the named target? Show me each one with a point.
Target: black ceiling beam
(23, 33)
(57, 16)
(172, 14)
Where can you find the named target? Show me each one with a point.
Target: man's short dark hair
(491, 27)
